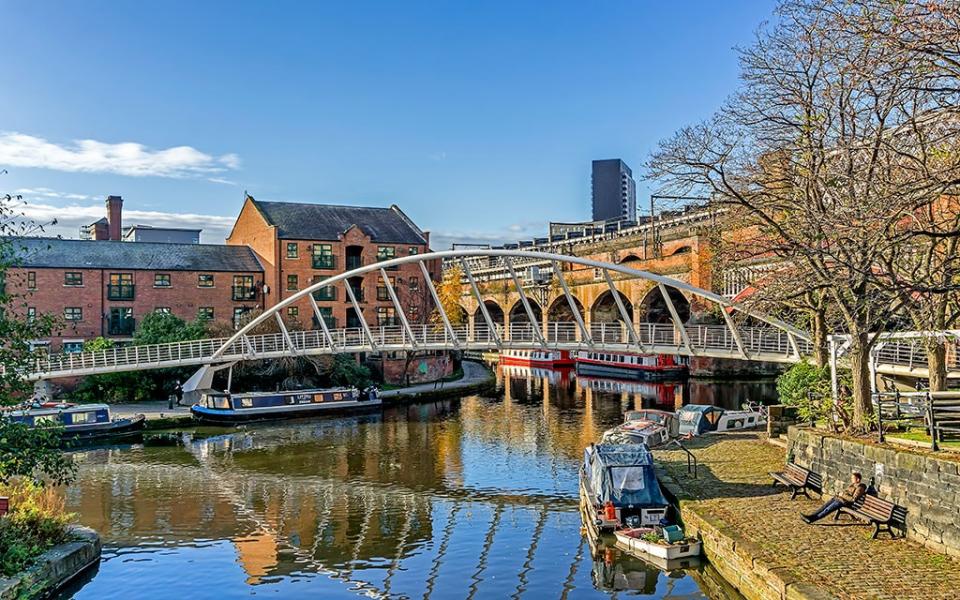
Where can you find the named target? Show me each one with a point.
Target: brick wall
(183, 297)
(420, 369)
(927, 485)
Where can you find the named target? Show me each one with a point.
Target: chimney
(114, 218)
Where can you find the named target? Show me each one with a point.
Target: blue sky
(479, 119)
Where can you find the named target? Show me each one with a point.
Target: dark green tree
(32, 452)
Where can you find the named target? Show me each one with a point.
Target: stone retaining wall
(55, 567)
(926, 485)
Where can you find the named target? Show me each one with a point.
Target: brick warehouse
(299, 244)
(105, 286)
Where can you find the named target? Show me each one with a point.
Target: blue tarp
(623, 474)
(698, 418)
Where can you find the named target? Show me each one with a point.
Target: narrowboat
(618, 487)
(536, 358)
(79, 421)
(226, 408)
(697, 419)
(647, 367)
(650, 427)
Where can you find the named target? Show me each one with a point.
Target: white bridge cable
(624, 315)
(534, 322)
(359, 312)
(677, 323)
(572, 302)
(483, 305)
(398, 308)
(439, 305)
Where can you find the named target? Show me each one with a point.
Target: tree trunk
(821, 353)
(937, 364)
(860, 375)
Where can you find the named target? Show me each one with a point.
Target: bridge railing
(659, 337)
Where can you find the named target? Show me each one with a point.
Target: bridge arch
(605, 310)
(653, 308)
(493, 309)
(518, 314)
(560, 312)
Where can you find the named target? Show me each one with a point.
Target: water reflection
(474, 498)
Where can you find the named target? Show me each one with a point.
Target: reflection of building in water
(257, 554)
(551, 376)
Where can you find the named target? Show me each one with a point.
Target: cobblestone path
(733, 490)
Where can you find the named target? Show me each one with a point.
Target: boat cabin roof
(281, 393)
(59, 408)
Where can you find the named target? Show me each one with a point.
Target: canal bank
(754, 537)
(476, 377)
(54, 568)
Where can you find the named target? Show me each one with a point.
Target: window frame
(31, 280)
(202, 312)
(67, 276)
(158, 277)
(296, 251)
(294, 279)
(201, 280)
(76, 311)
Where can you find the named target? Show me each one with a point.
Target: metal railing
(937, 412)
(708, 340)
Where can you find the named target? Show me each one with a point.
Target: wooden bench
(878, 511)
(797, 478)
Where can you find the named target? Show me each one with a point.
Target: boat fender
(609, 512)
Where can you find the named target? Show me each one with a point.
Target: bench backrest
(797, 472)
(877, 507)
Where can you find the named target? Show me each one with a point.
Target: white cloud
(43, 192)
(70, 218)
(126, 158)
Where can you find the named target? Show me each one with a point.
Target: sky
(479, 119)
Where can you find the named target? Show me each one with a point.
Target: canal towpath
(474, 375)
(755, 537)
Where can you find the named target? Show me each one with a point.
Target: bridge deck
(759, 343)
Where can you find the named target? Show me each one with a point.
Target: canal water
(469, 498)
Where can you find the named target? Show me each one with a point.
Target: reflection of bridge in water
(356, 516)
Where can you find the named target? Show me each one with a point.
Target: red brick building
(103, 288)
(299, 244)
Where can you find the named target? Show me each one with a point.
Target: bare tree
(824, 152)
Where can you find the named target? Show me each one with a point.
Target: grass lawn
(920, 435)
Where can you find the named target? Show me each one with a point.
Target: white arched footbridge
(768, 340)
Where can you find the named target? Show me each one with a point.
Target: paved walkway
(733, 488)
(473, 374)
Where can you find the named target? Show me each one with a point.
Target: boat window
(221, 402)
(337, 396)
(84, 417)
(37, 419)
(750, 420)
(627, 478)
(246, 402)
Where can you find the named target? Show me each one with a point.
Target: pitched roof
(326, 222)
(106, 254)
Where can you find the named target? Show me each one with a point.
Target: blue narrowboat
(225, 408)
(79, 421)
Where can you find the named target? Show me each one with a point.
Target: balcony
(357, 293)
(121, 326)
(325, 294)
(120, 292)
(324, 261)
(244, 293)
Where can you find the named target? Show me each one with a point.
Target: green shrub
(806, 387)
(36, 522)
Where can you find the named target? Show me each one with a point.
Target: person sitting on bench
(854, 492)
